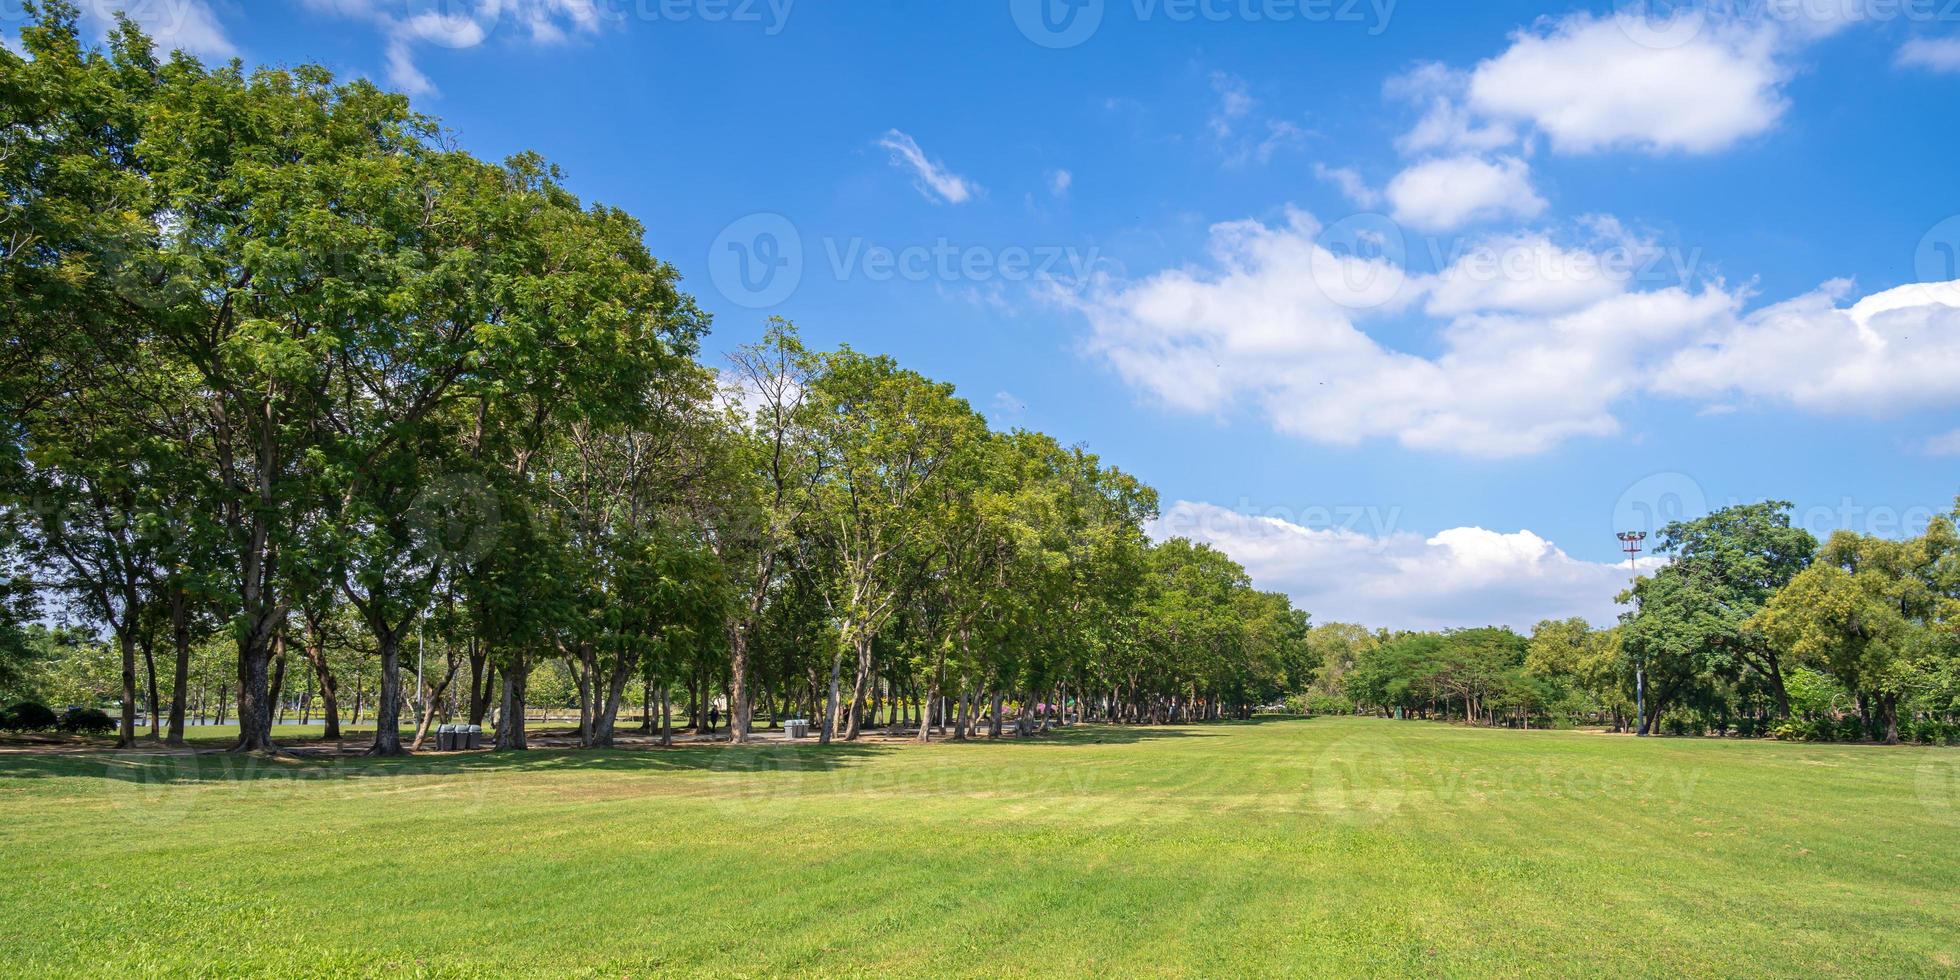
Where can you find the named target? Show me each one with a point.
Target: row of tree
(285, 368)
(1749, 627)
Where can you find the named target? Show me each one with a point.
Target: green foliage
(87, 721)
(28, 716)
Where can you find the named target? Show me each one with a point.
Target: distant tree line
(296, 392)
(1750, 628)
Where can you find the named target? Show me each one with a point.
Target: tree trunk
(829, 725)
(388, 700)
(126, 638)
(1776, 687)
(180, 639)
(316, 656)
(510, 712)
(254, 704)
(483, 674)
(863, 644)
(276, 688)
(738, 685)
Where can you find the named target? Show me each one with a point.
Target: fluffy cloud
(1596, 83)
(1529, 273)
(1465, 576)
(1889, 352)
(1933, 54)
(1450, 192)
(189, 25)
(1446, 124)
(1535, 342)
(930, 176)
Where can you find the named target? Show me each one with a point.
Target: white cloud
(1450, 192)
(1946, 444)
(1529, 273)
(1535, 343)
(931, 177)
(1445, 123)
(1235, 102)
(1465, 576)
(1943, 445)
(1007, 408)
(1888, 352)
(1353, 186)
(406, 25)
(1242, 135)
(1275, 324)
(1598, 83)
(187, 24)
(1933, 54)
(1059, 183)
(402, 72)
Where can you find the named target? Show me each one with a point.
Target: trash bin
(473, 738)
(446, 738)
(797, 728)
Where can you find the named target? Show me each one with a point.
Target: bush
(1799, 730)
(87, 721)
(28, 716)
(1850, 728)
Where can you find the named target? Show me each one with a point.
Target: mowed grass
(1324, 846)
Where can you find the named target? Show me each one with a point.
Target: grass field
(1327, 845)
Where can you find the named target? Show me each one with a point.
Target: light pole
(1630, 542)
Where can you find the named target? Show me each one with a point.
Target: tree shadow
(319, 760)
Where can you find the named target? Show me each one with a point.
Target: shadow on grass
(150, 766)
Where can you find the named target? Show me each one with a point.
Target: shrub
(1850, 728)
(28, 716)
(87, 721)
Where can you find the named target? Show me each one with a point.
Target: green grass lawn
(1328, 845)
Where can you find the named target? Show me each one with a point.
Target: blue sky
(1407, 305)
